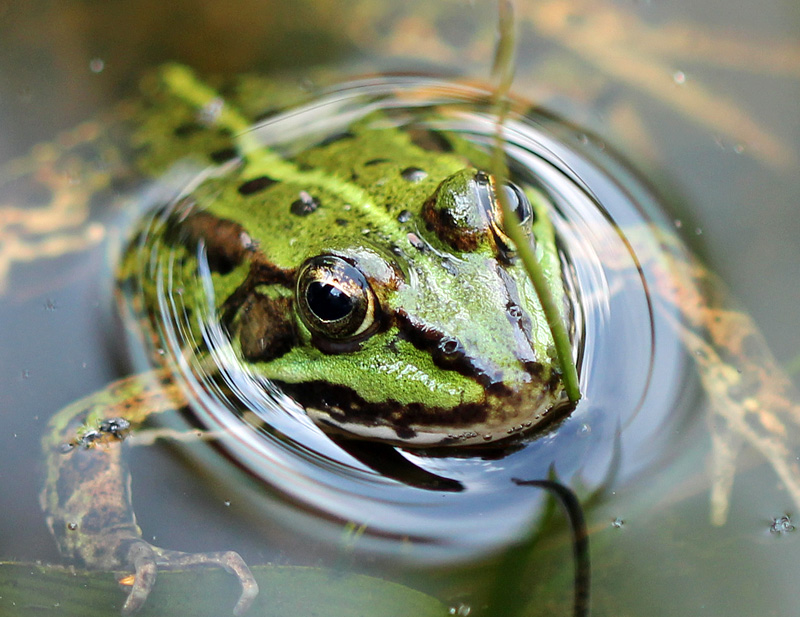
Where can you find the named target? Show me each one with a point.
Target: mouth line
(340, 409)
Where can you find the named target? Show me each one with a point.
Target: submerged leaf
(28, 590)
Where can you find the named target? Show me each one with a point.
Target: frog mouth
(339, 409)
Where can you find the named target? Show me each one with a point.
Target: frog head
(422, 331)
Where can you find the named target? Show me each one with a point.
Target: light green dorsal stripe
(261, 160)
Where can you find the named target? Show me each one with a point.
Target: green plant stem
(503, 70)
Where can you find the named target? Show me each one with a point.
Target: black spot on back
(432, 141)
(187, 129)
(414, 174)
(256, 185)
(304, 205)
(224, 155)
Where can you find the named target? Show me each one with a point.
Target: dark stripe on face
(344, 404)
(448, 353)
(226, 242)
(256, 185)
(262, 272)
(521, 325)
(227, 245)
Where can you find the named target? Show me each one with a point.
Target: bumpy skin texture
(454, 349)
(86, 497)
(339, 189)
(451, 348)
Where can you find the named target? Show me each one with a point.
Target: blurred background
(702, 98)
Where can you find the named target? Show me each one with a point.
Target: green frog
(369, 276)
(404, 317)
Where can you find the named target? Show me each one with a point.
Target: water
(612, 321)
(642, 441)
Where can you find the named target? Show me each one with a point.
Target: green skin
(381, 375)
(443, 342)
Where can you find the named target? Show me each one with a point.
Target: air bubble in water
(781, 525)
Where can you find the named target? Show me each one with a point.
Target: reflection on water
(639, 444)
(443, 507)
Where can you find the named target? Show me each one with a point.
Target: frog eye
(519, 203)
(465, 212)
(334, 298)
(517, 199)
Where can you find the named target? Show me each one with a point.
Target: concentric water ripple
(449, 504)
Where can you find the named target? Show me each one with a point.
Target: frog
(91, 434)
(337, 325)
(369, 276)
(752, 399)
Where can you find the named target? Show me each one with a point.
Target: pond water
(703, 106)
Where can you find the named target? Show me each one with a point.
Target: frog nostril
(450, 348)
(514, 311)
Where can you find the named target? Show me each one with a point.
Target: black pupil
(327, 302)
